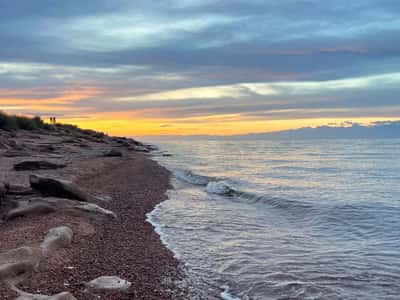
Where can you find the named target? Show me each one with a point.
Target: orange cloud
(35, 97)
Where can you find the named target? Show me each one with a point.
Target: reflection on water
(308, 220)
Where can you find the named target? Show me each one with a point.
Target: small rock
(108, 283)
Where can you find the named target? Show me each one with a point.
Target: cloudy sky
(201, 66)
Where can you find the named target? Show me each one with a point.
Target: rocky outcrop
(37, 165)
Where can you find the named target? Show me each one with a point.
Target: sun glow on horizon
(159, 127)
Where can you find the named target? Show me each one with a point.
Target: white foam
(218, 187)
(150, 217)
(225, 295)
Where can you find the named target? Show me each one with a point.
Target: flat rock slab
(108, 283)
(37, 165)
(30, 209)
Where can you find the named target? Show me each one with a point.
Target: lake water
(256, 219)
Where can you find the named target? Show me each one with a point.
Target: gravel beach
(126, 182)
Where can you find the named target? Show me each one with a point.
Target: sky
(193, 67)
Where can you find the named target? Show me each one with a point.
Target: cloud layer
(189, 62)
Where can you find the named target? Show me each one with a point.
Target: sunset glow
(133, 70)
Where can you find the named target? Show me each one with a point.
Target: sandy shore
(126, 246)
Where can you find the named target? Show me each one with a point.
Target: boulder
(57, 188)
(37, 165)
(108, 283)
(57, 238)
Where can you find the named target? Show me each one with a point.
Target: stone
(58, 188)
(37, 165)
(108, 283)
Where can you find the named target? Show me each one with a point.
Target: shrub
(8, 122)
(26, 123)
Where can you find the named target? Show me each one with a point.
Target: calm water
(285, 220)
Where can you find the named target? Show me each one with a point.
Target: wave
(192, 178)
(220, 188)
(223, 189)
(216, 186)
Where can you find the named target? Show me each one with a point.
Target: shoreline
(127, 246)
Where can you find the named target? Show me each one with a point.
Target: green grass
(13, 123)
(10, 123)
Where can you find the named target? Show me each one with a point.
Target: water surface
(285, 220)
